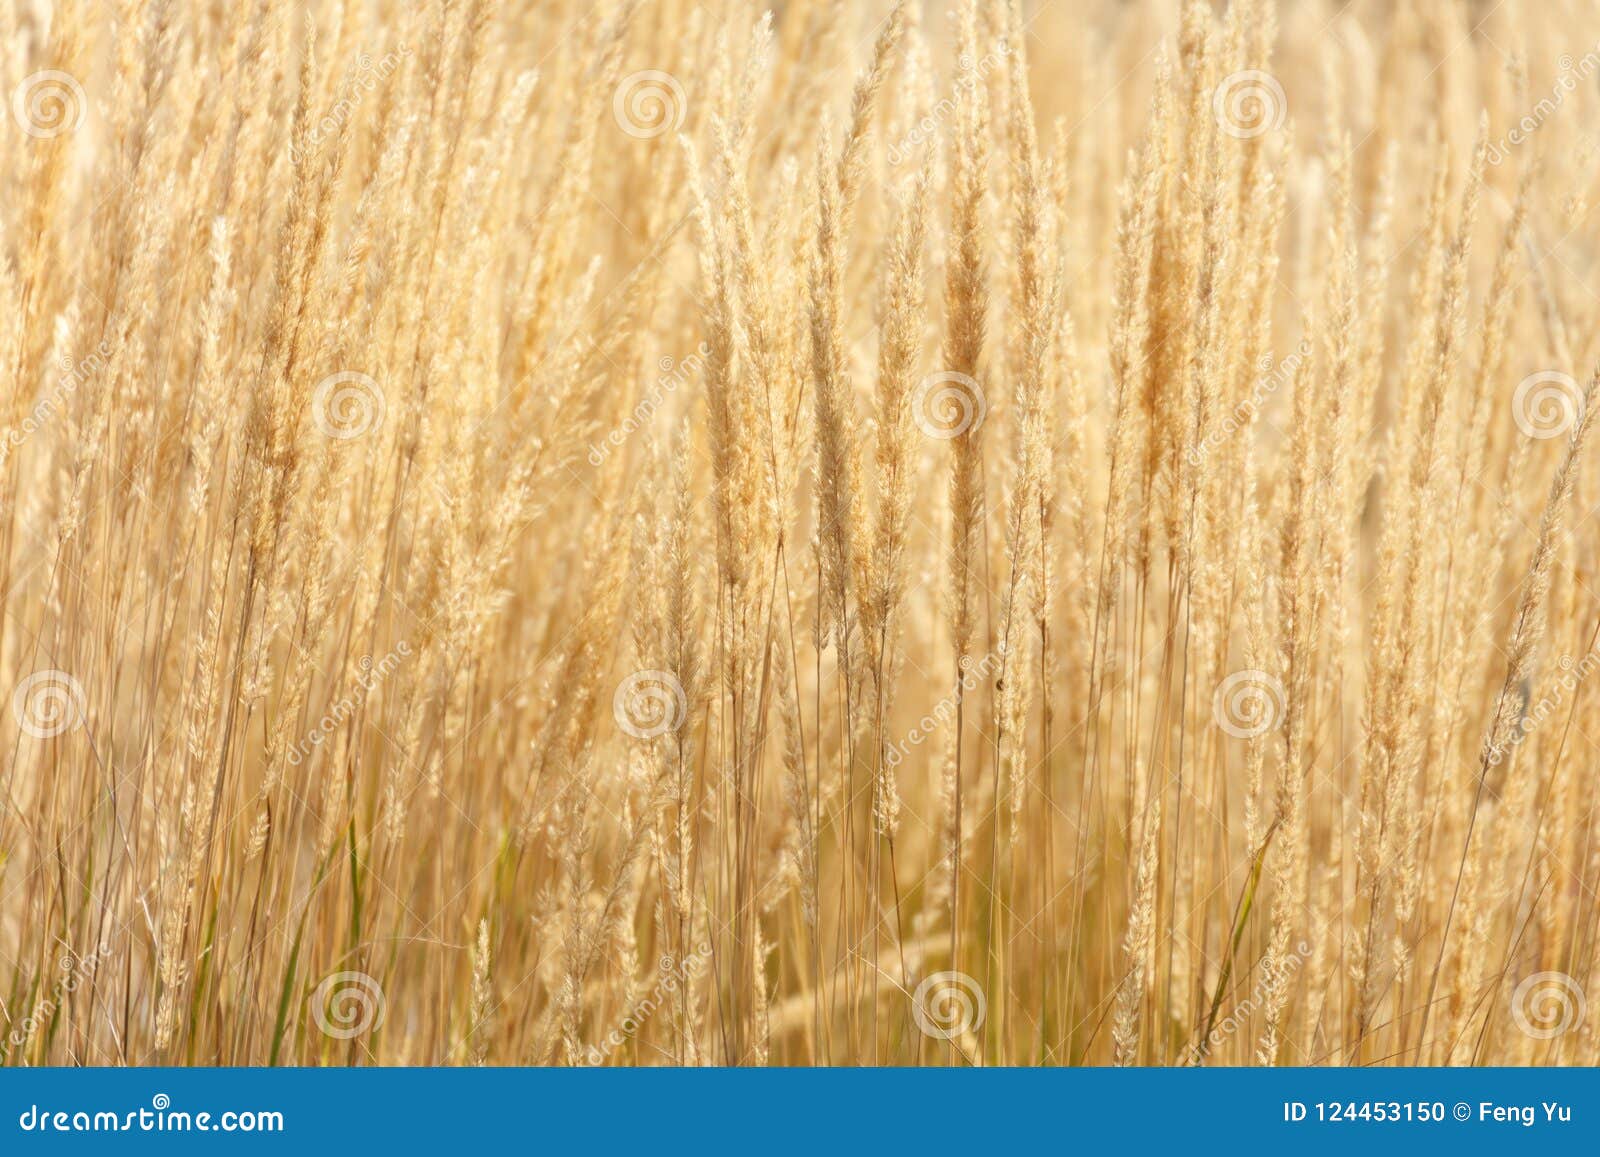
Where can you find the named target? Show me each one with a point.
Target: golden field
(665, 532)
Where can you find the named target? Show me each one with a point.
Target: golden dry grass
(655, 532)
